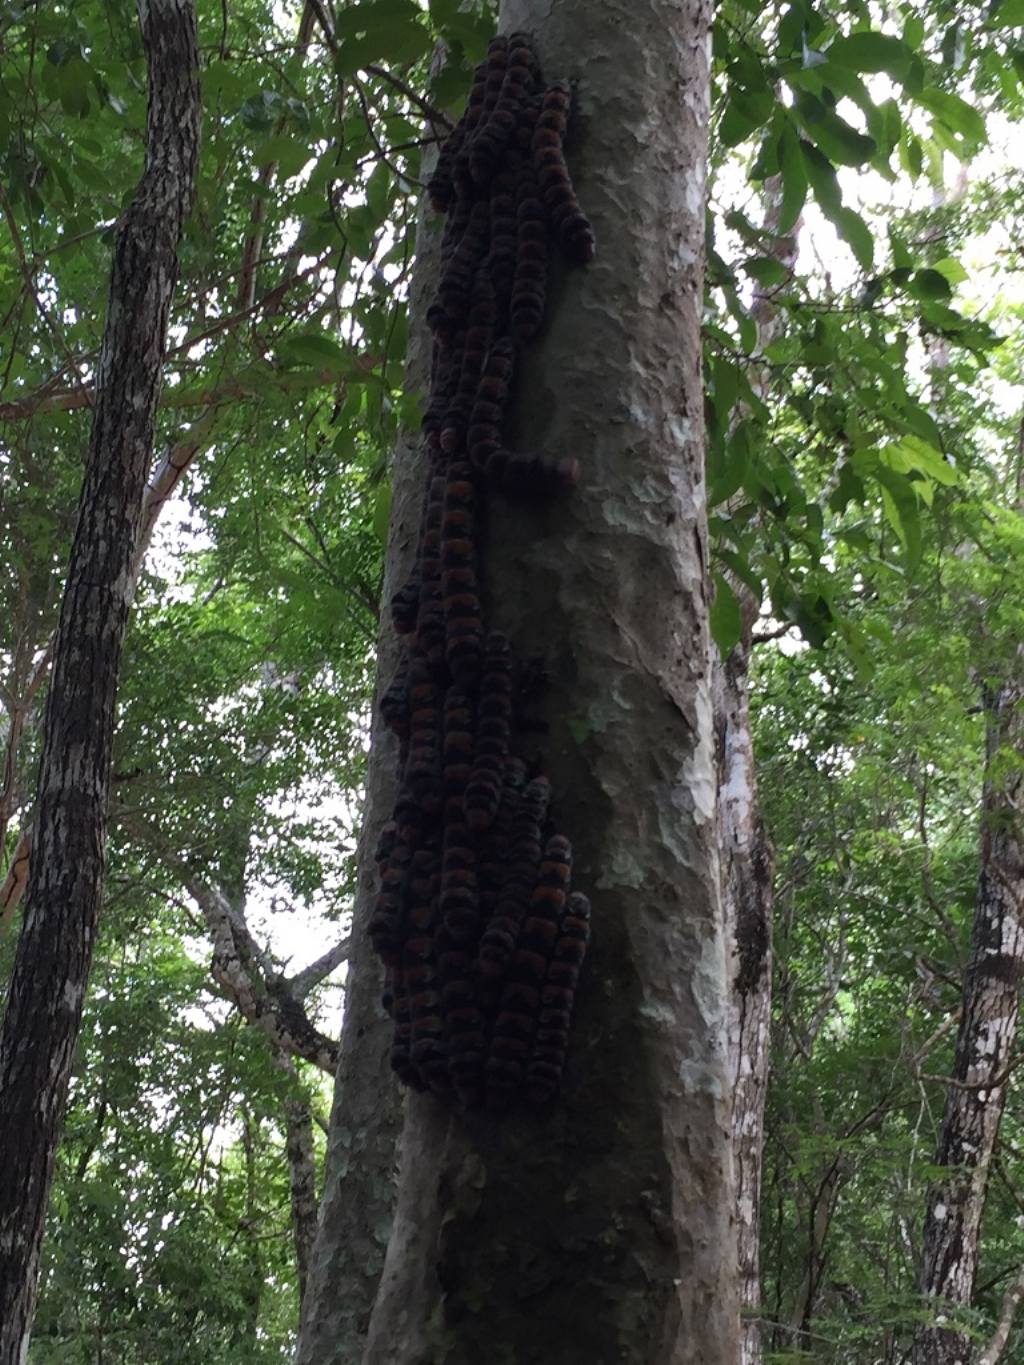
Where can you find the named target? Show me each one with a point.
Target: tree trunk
(44, 1008)
(747, 872)
(605, 1230)
(302, 1183)
(748, 862)
(974, 1102)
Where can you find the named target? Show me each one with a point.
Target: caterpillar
(501, 935)
(573, 226)
(458, 743)
(441, 185)
(484, 435)
(520, 472)
(495, 846)
(463, 629)
(483, 790)
(478, 337)
(423, 767)
(387, 921)
(401, 1060)
(551, 1039)
(531, 270)
(516, 1022)
(456, 287)
(394, 703)
(498, 131)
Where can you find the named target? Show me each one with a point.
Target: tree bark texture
(358, 1200)
(604, 1231)
(747, 872)
(44, 1006)
(748, 865)
(974, 1104)
(302, 1184)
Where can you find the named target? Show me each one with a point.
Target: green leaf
(1010, 14)
(290, 153)
(857, 235)
(951, 270)
(929, 284)
(955, 114)
(900, 504)
(765, 270)
(841, 143)
(726, 621)
(872, 52)
(380, 30)
(823, 181)
(794, 177)
(382, 510)
(314, 348)
(919, 454)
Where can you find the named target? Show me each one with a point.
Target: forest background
(865, 465)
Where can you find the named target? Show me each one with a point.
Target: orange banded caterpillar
(571, 222)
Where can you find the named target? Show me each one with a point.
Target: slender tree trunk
(44, 1007)
(302, 1181)
(605, 1230)
(748, 867)
(747, 872)
(974, 1103)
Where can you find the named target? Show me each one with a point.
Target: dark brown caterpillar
(498, 131)
(483, 790)
(571, 222)
(401, 1060)
(488, 415)
(477, 341)
(427, 1052)
(387, 923)
(518, 1012)
(456, 287)
(423, 768)
(394, 703)
(441, 185)
(463, 627)
(520, 472)
(524, 854)
(495, 847)
(551, 1039)
(531, 272)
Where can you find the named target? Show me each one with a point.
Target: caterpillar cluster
(481, 936)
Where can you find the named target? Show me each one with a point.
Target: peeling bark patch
(474, 919)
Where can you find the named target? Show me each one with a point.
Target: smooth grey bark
(604, 1231)
(44, 1007)
(988, 1024)
(358, 1200)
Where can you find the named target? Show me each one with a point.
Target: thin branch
(999, 1339)
(303, 982)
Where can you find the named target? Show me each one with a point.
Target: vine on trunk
(474, 920)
